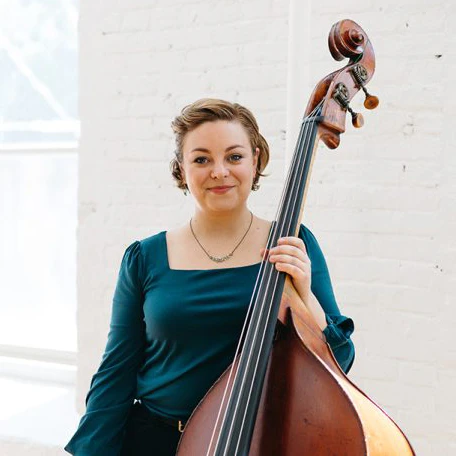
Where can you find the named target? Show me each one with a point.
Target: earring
(255, 185)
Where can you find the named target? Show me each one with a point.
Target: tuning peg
(359, 74)
(371, 101)
(357, 118)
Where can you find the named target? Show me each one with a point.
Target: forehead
(216, 135)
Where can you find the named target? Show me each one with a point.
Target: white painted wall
(382, 204)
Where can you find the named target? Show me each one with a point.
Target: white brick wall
(382, 204)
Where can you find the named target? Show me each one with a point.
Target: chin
(222, 207)
(228, 207)
(224, 203)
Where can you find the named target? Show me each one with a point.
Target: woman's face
(218, 165)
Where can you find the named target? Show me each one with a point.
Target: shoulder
(178, 235)
(142, 253)
(152, 241)
(310, 241)
(305, 234)
(261, 228)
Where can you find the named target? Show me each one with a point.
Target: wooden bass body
(308, 407)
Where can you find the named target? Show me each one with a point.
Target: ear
(182, 170)
(256, 154)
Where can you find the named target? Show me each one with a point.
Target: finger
(291, 250)
(294, 271)
(286, 259)
(292, 240)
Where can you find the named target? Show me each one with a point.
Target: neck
(221, 224)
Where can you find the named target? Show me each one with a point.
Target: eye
(236, 157)
(200, 160)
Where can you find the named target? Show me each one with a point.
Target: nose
(219, 170)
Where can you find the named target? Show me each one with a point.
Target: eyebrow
(203, 149)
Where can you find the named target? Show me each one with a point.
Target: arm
(113, 387)
(303, 260)
(339, 328)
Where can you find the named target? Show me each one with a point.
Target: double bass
(285, 394)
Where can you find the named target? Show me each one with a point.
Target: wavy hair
(211, 110)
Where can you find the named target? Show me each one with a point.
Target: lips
(220, 189)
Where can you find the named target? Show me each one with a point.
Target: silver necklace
(226, 257)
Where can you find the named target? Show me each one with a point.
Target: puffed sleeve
(339, 327)
(113, 387)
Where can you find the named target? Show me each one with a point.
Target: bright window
(39, 130)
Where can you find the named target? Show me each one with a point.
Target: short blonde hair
(211, 110)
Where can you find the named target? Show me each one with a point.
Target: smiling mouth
(221, 189)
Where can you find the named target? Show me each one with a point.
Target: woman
(182, 295)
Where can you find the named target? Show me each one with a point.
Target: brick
(111, 22)
(265, 10)
(207, 58)
(219, 13)
(261, 51)
(195, 37)
(135, 20)
(144, 106)
(419, 374)
(379, 368)
(408, 248)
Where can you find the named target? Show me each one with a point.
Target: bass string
(277, 229)
(233, 370)
(298, 175)
(257, 286)
(265, 308)
(258, 283)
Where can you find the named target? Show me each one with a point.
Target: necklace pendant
(221, 259)
(226, 257)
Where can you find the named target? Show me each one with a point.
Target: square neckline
(165, 245)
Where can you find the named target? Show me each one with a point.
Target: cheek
(196, 177)
(248, 175)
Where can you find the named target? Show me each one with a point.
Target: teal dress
(172, 334)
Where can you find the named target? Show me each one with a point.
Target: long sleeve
(339, 327)
(113, 387)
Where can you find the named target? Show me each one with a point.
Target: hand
(290, 256)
